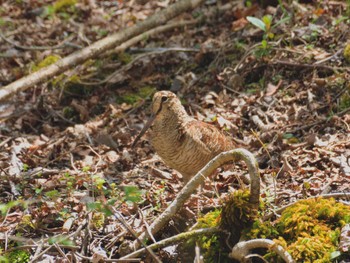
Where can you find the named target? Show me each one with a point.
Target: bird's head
(164, 103)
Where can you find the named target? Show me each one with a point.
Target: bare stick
(174, 239)
(97, 48)
(190, 187)
(241, 250)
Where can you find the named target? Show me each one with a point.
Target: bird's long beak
(145, 128)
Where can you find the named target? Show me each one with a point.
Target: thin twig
(125, 224)
(128, 66)
(59, 46)
(175, 239)
(222, 158)
(241, 250)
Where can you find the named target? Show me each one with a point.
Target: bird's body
(183, 143)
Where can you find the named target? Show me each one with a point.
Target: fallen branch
(109, 79)
(150, 33)
(225, 157)
(167, 27)
(241, 250)
(174, 239)
(97, 48)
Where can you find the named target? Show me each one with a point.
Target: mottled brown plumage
(183, 143)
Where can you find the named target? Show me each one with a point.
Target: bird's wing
(208, 136)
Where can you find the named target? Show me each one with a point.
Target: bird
(182, 142)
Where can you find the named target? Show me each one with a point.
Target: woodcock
(183, 143)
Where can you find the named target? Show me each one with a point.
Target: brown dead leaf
(6, 110)
(239, 24)
(223, 122)
(343, 162)
(271, 89)
(82, 109)
(112, 156)
(242, 12)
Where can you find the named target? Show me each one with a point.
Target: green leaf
(54, 194)
(132, 193)
(264, 44)
(98, 206)
(335, 254)
(288, 135)
(267, 20)
(94, 206)
(61, 239)
(257, 22)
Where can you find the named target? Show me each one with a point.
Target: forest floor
(282, 93)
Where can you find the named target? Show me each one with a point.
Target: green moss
(75, 88)
(98, 220)
(141, 94)
(211, 219)
(346, 53)
(311, 249)
(261, 229)
(46, 62)
(146, 91)
(237, 213)
(309, 229)
(345, 101)
(124, 57)
(211, 246)
(18, 256)
(62, 5)
(69, 112)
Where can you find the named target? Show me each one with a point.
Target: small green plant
(347, 8)
(141, 94)
(98, 181)
(53, 194)
(346, 53)
(70, 181)
(62, 240)
(97, 220)
(25, 167)
(17, 256)
(5, 207)
(345, 101)
(265, 24)
(211, 246)
(27, 222)
(100, 207)
(85, 169)
(38, 190)
(62, 5)
(133, 194)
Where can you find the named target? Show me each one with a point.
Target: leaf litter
(65, 145)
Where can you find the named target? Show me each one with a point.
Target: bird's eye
(164, 99)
